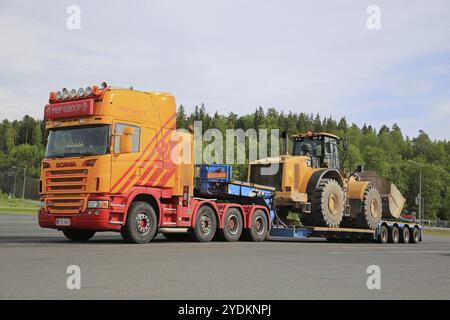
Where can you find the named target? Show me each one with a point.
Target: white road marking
(396, 252)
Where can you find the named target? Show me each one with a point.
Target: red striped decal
(140, 156)
(147, 172)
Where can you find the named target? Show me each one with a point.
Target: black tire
(259, 227)
(78, 235)
(142, 223)
(233, 224)
(405, 235)
(415, 236)
(205, 224)
(384, 234)
(327, 205)
(394, 234)
(176, 236)
(371, 209)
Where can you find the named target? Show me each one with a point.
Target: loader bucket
(391, 198)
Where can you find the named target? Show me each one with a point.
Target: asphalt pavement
(34, 262)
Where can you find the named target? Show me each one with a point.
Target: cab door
(127, 169)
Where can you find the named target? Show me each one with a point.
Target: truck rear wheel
(259, 229)
(394, 234)
(232, 225)
(327, 205)
(404, 235)
(415, 237)
(142, 223)
(205, 224)
(78, 235)
(371, 209)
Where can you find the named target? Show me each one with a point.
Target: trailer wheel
(327, 205)
(371, 208)
(384, 234)
(394, 235)
(142, 223)
(260, 227)
(78, 235)
(232, 225)
(415, 238)
(205, 224)
(404, 235)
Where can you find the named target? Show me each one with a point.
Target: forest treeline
(387, 150)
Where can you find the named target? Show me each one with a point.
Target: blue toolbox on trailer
(216, 180)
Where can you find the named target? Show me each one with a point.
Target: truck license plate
(63, 222)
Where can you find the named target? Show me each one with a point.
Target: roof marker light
(58, 95)
(65, 93)
(80, 93)
(73, 93)
(88, 91)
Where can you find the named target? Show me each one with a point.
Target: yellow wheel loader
(311, 184)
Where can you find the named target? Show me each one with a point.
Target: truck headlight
(98, 204)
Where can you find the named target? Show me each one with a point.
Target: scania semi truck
(109, 166)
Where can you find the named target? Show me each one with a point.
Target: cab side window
(136, 138)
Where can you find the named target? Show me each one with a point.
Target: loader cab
(321, 147)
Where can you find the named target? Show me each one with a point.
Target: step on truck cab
(113, 164)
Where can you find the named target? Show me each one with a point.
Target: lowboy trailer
(216, 180)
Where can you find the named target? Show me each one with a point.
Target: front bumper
(91, 219)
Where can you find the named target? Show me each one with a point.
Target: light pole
(420, 188)
(24, 182)
(13, 173)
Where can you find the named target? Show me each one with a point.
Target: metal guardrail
(435, 223)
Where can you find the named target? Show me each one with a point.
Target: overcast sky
(302, 56)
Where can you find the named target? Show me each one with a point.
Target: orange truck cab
(109, 167)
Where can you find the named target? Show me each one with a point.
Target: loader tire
(371, 207)
(327, 205)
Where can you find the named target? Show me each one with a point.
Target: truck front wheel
(142, 223)
(78, 235)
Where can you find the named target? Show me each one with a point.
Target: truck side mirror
(126, 140)
(360, 168)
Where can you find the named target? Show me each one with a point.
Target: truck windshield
(78, 141)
